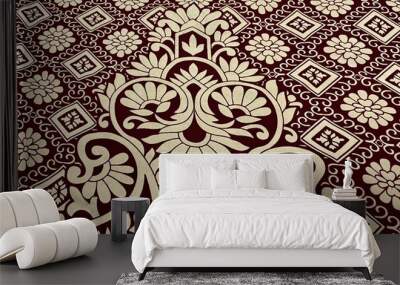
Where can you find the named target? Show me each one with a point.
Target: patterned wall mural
(105, 86)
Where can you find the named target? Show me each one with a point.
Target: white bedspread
(250, 219)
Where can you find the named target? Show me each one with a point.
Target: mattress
(250, 219)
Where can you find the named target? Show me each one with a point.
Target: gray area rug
(254, 278)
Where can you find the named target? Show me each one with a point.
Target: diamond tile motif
(300, 25)
(72, 120)
(314, 76)
(390, 77)
(235, 20)
(151, 18)
(32, 14)
(374, 224)
(55, 185)
(83, 64)
(94, 18)
(24, 58)
(330, 139)
(379, 26)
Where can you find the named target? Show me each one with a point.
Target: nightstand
(357, 205)
(119, 208)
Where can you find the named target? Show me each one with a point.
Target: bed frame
(240, 259)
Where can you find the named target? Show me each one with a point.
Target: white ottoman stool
(31, 233)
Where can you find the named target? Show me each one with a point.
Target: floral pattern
(56, 39)
(334, 8)
(368, 109)
(68, 3)
(42, 88)
(249, 108)
(31, 149)
(347, 50)
(113, 174)
(267, 48)
(200, 3)
(314, 75)
(140, 97)
(262, 6)
(129, 5)
(72, 120)
(59, 191)
(329, 139)
(122, 42)
(394, 4)
(384, 179)
(105, 87)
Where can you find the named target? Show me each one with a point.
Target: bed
(281, 224)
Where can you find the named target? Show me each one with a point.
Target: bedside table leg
(139, 214)
(118, 222)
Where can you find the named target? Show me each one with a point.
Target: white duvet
(253, 218)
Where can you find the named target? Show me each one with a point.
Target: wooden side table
(356, 205)
(119, 208)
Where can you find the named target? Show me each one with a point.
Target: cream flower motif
(111, 176)
(368, 109)
(203, 20)
(347, 50)
(334, 8)
(145, 100)
(129, 5)
(152, 66)
(262, 6)
(226, 39)
(395, 4)
(193, 74)
(178, 143)
(187, 3)
(31, 149)
(159, 35)
(267, 48)
(56, 39)
(385, 181)
(41, 88)
(240, 105)
(235, 71)
(67, 3)
(122, 42)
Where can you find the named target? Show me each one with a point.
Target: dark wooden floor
(110, 259)
(103, 266)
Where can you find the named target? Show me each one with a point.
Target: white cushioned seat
(31, 232)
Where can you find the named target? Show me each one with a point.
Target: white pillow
(237, 179)
(182, 177)
(288, 175)
(251, 179)
(185, 174)
(223, 179)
